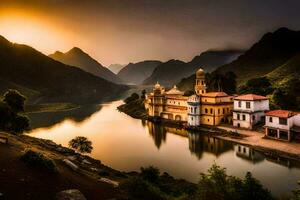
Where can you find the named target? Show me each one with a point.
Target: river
(127, 144)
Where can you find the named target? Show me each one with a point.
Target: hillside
(52, 81)
(115, 68)
(270, 52)
(78, 58)
(136, 73)
(288, 71)
(173, 71)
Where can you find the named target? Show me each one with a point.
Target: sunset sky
(122, 31)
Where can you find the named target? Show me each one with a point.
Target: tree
(134, 96)
(221, 82)
(296, 193)
(260, 86)
(81, 144)
(143, 95)
(15, 100)
(20, 123)
(150, 174)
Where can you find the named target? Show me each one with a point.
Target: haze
(122, 31)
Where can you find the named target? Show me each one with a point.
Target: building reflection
(157, 132)
(248, 153)
(200, 143)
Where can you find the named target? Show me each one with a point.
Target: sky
(123, 31)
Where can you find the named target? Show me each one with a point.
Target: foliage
(260, 86)
(138, 188)
(15, 100)
(219, 186)
(20, 123)
(81, 144)
(143, 95)
(134, 96)
(11, 120)
(221, 82)
(38, 161)
(150, 174)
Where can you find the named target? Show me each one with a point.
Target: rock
(72, 158)
(94, 169)
(72, 194)
(70, 164)
(86, 162)
(111, 182)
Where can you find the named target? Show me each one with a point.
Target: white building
(249, 109)
(194, 110)
(282, 124)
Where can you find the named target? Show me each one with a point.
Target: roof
(175, 91)
(281, 113)
(251, 97)
(215, 94)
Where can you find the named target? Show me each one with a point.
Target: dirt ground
(20, 182)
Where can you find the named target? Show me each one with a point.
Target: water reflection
(47, 119)
(127, 144)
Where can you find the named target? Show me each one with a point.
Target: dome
(200, 72)
(175, 91)
(194, 99)
(157, 86)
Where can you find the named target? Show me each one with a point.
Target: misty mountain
(136, 73)
(115, 68)
(47, 80)
(270, 52)
(173, 71)
(78, 58)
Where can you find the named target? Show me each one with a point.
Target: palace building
(209, 108)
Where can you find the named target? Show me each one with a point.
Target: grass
(50, 107)
(39, 161)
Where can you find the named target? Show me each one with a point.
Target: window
(238, 116)
(244, 117)
(271, 119)
(192, 118)
(247, 104)
(282, 121)
(195, 110)
(206, 111)
(239, 148)
(211, 111)
(240, 104)
(244, 150)
(223, 111)
(253, 117)
(202, 82)
(219, 111)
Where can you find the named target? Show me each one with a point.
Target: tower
(193, 110)
(158, 100)
(200, 86)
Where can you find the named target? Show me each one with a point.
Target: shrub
(38, 161)
(150, 174)
(134, 96)
(138, 188)
(20, 124)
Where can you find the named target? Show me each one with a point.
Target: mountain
(78, 58)
(115, 68)
(270, 52)
(173, 71)
(136, 73)
(286, 72)
(25, 68)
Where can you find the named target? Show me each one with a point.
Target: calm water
(127, 144)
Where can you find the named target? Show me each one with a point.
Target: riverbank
(253, 139)
(90, 176)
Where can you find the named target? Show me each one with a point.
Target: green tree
(15, 100)
(260, 86)
(81, 144)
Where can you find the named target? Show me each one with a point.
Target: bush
(81, 144)
(15, 100)
(20, 123)
(138, 188)
(150, 174)
(38, 161)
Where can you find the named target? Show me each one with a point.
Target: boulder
(72, 194)
(70, 164)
